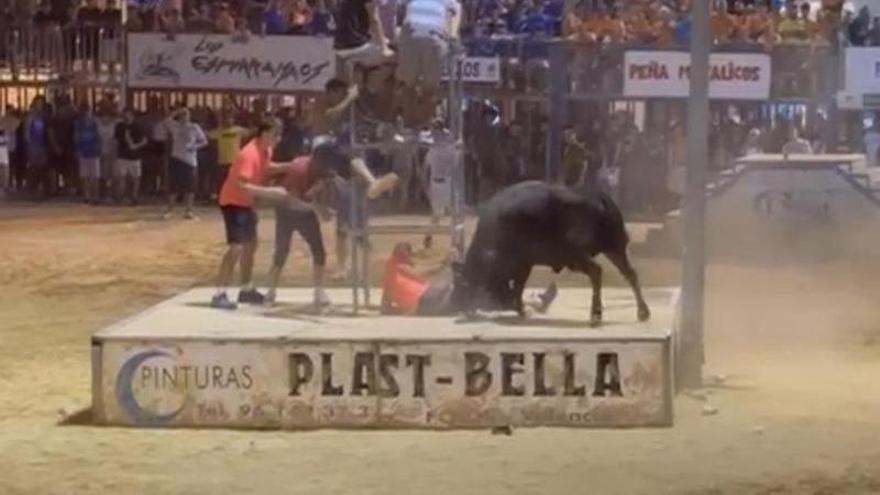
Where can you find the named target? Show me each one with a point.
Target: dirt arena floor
(793, 367)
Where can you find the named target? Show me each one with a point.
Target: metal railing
(34, 54)
(96, 53)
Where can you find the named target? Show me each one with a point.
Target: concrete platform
(182, 363)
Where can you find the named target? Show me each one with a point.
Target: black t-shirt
(89, 15)
(43, 19)
(352, 24)
(290, 145)
(125, 151)
(62, 125)
(111, 21)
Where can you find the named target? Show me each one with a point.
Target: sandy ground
(798, 401)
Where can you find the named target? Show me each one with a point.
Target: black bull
(534, 223)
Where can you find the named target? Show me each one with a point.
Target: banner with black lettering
(475, 70)
(666, 74)
(220, 62)
(444, 384)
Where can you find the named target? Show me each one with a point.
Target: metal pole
(455, 126)
(353, 208)
(558, 90)
(694, 255)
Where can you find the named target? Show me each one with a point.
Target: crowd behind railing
(67, 32)
(43, 142)
(63, 150)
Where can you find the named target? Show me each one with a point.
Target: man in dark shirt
(43, 18)
(62, 154)
(88, 20)
(130, 142)
(111, 24)
(359, 37)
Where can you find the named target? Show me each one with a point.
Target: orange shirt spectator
(721, 26)
(607, 28)
(755, 25)
(639, 29)
(663, 32)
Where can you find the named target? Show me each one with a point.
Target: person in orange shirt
(638, 28)
(241, 187)
(406, 290)
(578, 25)
(605, 26)
(721, 25)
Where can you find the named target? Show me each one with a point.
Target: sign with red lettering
(666, 74)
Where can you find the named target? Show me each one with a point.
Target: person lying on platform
(406, 290)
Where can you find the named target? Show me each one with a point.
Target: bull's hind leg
(621, 261)
(519, 280)
(515, 287)
(594, 271)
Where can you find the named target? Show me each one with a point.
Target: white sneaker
(321, 298)
(269, 298)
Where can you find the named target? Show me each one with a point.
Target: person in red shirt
(304, 182)
(406, 290)
(241, 187)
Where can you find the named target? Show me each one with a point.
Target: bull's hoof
(596, 320)
(644, 313)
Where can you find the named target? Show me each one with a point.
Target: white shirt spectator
(872, 146)
(4, 151)
(106, 129)
(186, 140)
(9, 124)
(441, 160)
(430, 17)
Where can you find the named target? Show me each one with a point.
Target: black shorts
(330, 155)
(181, 177)
(436, 301)
(241, 224)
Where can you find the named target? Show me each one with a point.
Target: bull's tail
(616, 225)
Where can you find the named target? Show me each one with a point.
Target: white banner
(863, 71)
(446, 384)
(733, 76)
(476, 69)
(217, 62)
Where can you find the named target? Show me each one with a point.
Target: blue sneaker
(220, 301)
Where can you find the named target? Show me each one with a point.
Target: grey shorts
(89, 168)
(420, 56)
